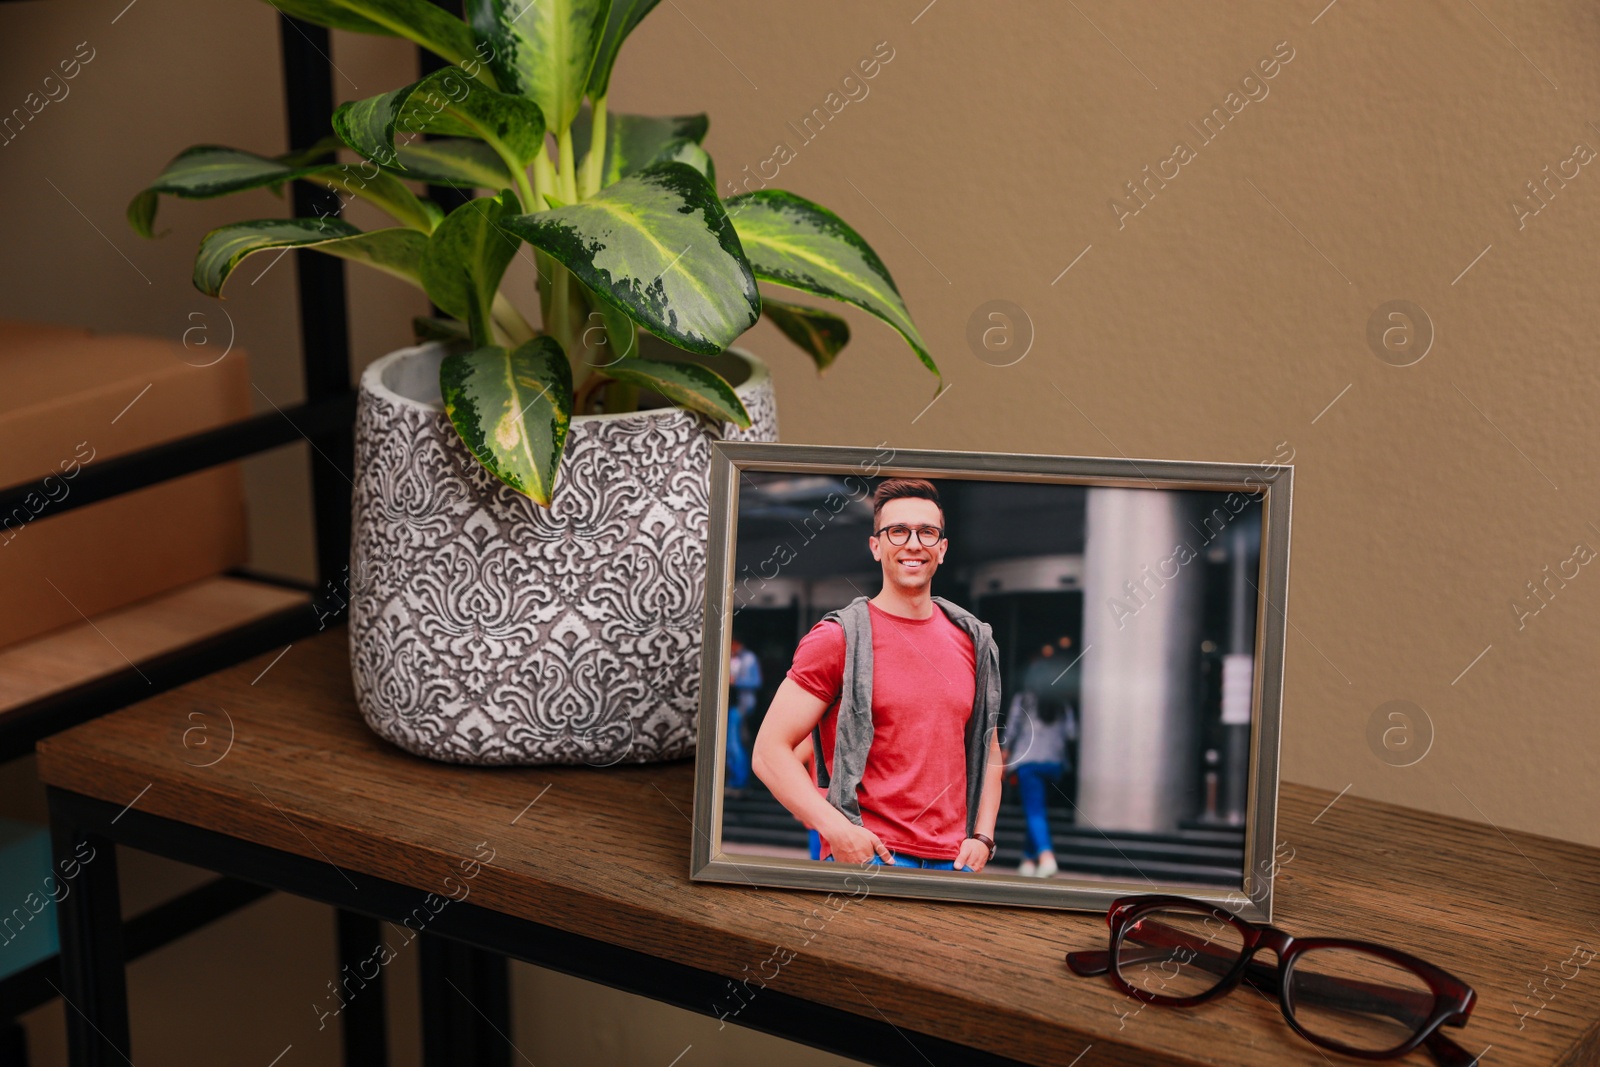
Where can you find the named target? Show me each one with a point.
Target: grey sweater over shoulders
(853, 730)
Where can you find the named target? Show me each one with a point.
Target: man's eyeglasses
(1354, 997)
(900, 535)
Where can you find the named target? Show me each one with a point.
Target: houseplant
(645, 278)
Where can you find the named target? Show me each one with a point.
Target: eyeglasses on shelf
(1354, 997)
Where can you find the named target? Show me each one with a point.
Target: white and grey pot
(485, 629)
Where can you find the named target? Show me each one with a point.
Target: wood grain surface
(87, 650)
(605, 853)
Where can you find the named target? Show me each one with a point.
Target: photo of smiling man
(900, 695)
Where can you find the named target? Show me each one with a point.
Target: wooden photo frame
(1158, 588)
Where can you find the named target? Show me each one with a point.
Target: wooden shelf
(604, 855)
(73, 655)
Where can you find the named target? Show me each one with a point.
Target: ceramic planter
(485, 629)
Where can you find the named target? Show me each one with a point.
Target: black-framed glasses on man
(900, 534)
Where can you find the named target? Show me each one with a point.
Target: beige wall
(1226, 315)
(1221, 320)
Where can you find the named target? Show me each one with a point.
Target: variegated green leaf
(608, 334)
(465, 259)
(641, 137)
(206, 171)
(692, 154)
(634, 142)
(385, 191)
(821, 333)
(625, 15)
(543, 49)
(792, 241)
(512, 409)
(659, 247)
(690, 385)
(395, 251)
(447, 103)
(456, 161)
(418, 21)
(332, 14)
(320, 152)
(142, 212)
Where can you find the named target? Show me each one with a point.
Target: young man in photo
(901, 696)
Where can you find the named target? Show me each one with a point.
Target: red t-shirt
(913, 791)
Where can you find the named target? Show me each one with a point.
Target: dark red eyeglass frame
(1451, 1003)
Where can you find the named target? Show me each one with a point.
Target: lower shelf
(118, 640)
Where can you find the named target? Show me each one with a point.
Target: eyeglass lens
(1356, 999)
(1175, 953)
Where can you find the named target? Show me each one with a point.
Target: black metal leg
(466, 1005)
(366, 1036)
(13, 1044)
(324, 322)
(94, 981)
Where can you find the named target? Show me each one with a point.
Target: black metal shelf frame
(326, 420)
(461, 935)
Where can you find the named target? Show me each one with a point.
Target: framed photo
(1030, 680)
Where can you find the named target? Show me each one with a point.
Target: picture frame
(751, 477)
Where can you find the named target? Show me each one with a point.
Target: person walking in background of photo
(901, 696)
(1038, 726)
(744, 678)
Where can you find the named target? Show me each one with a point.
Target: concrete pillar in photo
(1238, 667)
(1142, 586)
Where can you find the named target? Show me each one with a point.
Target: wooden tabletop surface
(605, 853)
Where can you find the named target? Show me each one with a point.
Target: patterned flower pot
(485, 629)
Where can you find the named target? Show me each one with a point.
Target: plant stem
(557, 300)
(544, 177)
(567, 325)
(620, 396)
(525, 193)
(558, 320)
(583, 396)
(594, 162)
(509, 319)
(569, 180)
(545, 267)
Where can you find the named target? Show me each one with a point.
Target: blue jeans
(903, 860)
(742, 704)
(1033, 779)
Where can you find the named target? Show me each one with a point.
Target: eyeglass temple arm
(1090, 964)
(1097, 962)
(1446, 1052)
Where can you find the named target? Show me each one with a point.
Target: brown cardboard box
(69, 399)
